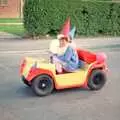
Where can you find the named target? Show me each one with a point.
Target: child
(64, 55)
(68, 60)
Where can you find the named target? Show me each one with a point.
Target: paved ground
(18, 102)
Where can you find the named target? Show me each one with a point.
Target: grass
(13, 29)
(10, 20)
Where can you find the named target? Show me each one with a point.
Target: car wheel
(97, 80)
(42, 85)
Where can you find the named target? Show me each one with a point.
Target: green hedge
(43, 17)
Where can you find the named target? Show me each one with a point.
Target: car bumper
(23, 78)
(25, 81)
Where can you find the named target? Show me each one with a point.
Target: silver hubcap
(43, 85)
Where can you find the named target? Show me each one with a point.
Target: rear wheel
(42, 85)
(97, 80)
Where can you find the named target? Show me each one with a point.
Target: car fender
(34, 72)
(95, 65)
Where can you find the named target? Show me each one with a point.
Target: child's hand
(63, 63)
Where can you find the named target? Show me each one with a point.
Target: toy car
(42, 76)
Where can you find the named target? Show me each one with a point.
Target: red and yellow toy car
(43, 79)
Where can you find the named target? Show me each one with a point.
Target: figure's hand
(63, 63)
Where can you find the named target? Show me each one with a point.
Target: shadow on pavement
(27, 92)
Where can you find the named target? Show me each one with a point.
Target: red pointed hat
(65, 29)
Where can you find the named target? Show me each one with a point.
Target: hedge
(94, 18)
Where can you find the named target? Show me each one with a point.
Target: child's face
(63, 42)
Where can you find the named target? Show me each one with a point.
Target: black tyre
(26, 82)
(97, 80)
(42, 85)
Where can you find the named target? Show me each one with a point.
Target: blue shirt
(71, 59)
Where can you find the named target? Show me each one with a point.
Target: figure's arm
(66, 57)
(68, 54)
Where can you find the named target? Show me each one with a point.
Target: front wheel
(42, 85)
(97, 80)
